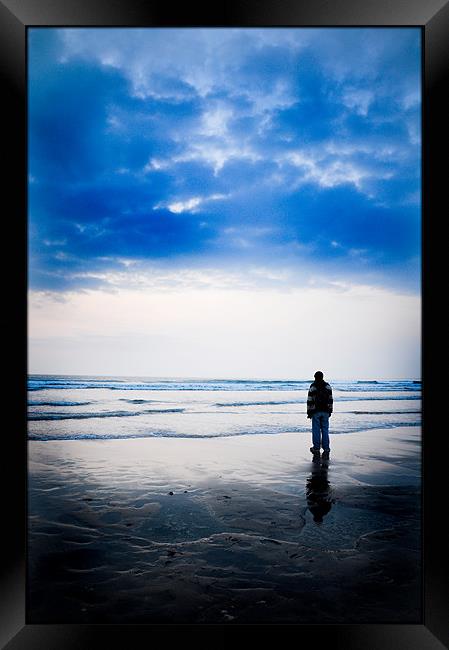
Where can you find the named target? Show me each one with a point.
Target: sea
(62, 407)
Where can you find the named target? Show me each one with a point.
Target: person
(319, 409)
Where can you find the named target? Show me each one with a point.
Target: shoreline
(226, 530)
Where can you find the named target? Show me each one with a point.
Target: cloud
(191, 205)
(275, 143)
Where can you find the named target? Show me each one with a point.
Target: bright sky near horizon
(225, 202)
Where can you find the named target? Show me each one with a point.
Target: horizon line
(210, 378)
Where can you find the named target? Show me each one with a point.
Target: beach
(226, 529)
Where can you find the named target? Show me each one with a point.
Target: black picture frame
(432, 16)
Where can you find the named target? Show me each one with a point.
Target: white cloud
(146, 278)
(326, 173)
(155, 164)
(358, 100)
(54, 242)
(214, 153)
(189, 205)
(214, 121)
(203, 59)
(217, 153)
(412, 98)
(327, 167)
(210, 65)
(184, 206)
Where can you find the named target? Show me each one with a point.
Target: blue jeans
(320, 430)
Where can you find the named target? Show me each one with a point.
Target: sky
(224, 202)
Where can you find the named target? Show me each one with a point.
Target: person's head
(318, 375)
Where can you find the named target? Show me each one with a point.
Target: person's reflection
(318, 489)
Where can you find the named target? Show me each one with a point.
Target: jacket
(311, 406)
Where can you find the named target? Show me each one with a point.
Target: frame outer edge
(12, 37)
(225, 12)
(436, 581)
(13, 475)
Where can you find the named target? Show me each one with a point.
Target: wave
(268, 403)
(138, 401)
(381, 412)
(169, 387)
(392, 398)
(44, 437)
(49, 416)
(302, 401)
(61, 403)
(101, 414)
(378, 389)
(40, 382)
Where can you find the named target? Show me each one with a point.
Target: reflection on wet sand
(318, 488)
(108, 543)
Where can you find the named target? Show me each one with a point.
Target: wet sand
(231, 530)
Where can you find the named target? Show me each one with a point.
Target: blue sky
(239, 159)
(224, 148)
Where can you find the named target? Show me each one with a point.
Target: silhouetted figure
(319, 409)
(318, 489)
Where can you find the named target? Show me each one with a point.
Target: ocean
(72, 407)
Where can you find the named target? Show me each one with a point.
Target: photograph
(224, 325)
(223, 248)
